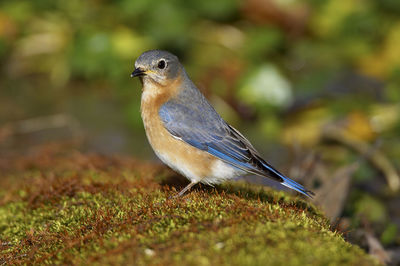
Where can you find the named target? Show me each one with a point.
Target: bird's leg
(185, 189)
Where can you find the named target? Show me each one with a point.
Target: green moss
(121, 215)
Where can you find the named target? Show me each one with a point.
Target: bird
(186, 132)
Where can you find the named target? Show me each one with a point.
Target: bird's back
(189, 108)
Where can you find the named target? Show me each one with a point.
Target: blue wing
(199, 125)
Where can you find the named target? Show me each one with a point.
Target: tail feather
(287, 182)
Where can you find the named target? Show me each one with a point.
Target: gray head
(157, 66)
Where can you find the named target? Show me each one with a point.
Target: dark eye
(161, 64)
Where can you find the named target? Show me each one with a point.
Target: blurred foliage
(280, 71)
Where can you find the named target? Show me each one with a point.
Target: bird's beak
(138, 72)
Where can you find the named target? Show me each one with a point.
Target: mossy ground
(80, 209)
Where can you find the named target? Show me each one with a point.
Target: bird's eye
(161, 64)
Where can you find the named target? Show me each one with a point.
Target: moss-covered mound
(76, 209)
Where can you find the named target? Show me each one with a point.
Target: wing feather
(214, 135)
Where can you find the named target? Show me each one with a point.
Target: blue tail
(287, 182)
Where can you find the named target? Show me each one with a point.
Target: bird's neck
(156, 94)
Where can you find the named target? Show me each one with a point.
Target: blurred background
(315, 85)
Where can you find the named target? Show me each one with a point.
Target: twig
(39, 123)
(376, 158)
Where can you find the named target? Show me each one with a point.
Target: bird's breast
(191, 162)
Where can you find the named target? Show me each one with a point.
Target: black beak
(138, 72)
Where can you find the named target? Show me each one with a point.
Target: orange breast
(191, 162)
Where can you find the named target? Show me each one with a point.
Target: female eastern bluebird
(187, 133)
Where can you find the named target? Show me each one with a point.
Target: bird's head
(157, 67)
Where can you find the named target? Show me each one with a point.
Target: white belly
(221, 171)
